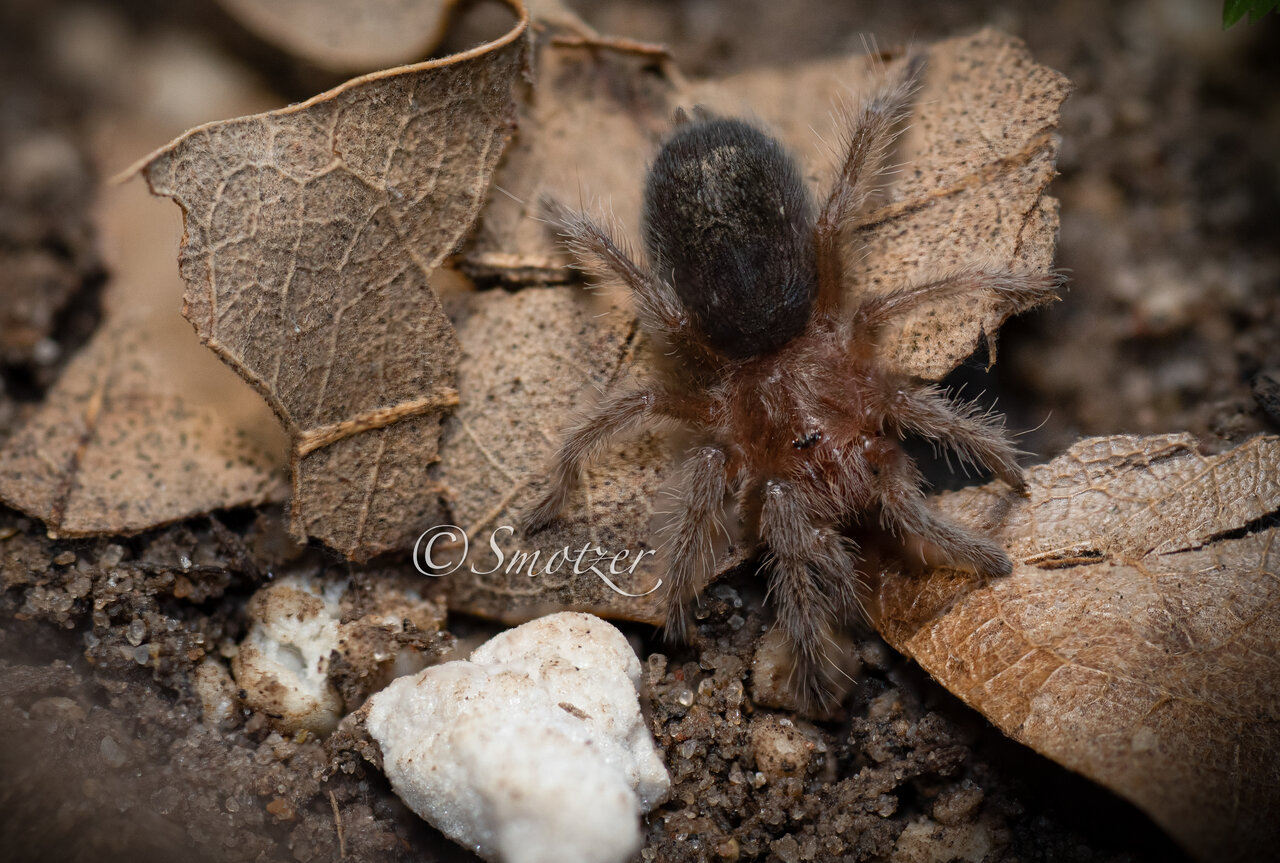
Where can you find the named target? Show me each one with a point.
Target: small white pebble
(283, 662)
(111, 752)
(217, 692)
(136, 632)
(298, 623)
(532, 751)
(46, 352)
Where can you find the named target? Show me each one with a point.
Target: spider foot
(540, 516)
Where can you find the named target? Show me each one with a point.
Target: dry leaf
(109, 451)
(144, 426)
(557, 348)
(348, 35)
(1136, 640)
(585, 136)
(527, 359)
(311, 236)
(585, 133)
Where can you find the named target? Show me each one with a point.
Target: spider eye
(808, 440)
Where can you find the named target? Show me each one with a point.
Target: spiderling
(769, 360)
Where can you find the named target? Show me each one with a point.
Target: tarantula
(776, 373)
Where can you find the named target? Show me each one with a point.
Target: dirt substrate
(115, 744)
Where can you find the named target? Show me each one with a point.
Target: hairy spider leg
(1019, 290)
(975, 436)
(903, 508)
(926, 410)
(689, 554)
(870, 130)
(812, 574)
(620, 411)
(658, 308)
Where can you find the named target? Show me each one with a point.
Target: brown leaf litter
(311, 236)
(143, 427)
(1135, 641)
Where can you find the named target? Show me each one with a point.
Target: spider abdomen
(728, 220)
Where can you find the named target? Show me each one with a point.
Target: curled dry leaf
(1136, 640)
(348, 35)
(984, 152)
(311, 236)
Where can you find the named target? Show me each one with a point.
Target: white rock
(283, 662)
(533, 750)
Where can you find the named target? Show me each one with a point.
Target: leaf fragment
(109, 451)
(312, 235)
(586, 133)
(1234, 10)
(143, 427)
(1136, 640)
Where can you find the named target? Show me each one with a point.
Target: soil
(1170, 190)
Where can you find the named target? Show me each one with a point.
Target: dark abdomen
(728, 220)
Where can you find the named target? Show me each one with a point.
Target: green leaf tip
(1234, 10)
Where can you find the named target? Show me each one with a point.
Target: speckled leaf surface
(144, 426)
(529, 359)
(587, 131)
(110, 452)
(312, 234)
(1136, 640)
